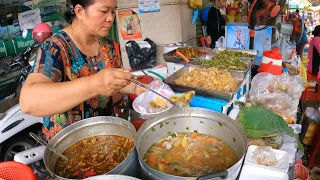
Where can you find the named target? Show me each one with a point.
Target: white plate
(257, 173)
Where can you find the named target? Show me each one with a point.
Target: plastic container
(251, 172)
(301, 171)
(13, 170)
(282, 157)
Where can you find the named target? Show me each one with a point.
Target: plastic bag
(146, 106)
(264, 155)
(142, 55)
(278, 94)
(195, 4)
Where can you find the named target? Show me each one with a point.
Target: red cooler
(271, 62)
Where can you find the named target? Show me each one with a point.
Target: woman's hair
(69, 15)
(316, 31)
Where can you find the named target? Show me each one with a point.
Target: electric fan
(262, 14)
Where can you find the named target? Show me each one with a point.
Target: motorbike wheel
(15, 145)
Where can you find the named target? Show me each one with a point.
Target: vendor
(75, 75)
(314, 53)
(216, 22)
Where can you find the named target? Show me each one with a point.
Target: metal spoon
(39, 140)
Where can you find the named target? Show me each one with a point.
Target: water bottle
(285, 79)
(267, 45)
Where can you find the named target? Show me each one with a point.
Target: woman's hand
(110, 81)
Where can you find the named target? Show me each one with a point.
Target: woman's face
(221, 3)
(99, 16)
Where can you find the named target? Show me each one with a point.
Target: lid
(286, 70)
(273, 54)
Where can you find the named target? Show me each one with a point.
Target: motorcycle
(14, 124)
(13, 74)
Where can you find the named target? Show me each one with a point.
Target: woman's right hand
(110, 81)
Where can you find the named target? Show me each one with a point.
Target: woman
(314, 53)
(75, 75)
(216, 22)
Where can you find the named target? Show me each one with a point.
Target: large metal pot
(94, 127)
(205, 122)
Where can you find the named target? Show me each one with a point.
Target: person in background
(216, 22)
(314, 53)
(76, 76)
(301, 43)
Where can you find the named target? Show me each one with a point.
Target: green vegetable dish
(228, 59)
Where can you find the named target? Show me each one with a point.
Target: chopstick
(146, 87)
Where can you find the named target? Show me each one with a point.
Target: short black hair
(316, 31)
(69, 15)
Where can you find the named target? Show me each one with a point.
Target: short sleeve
(49, 61)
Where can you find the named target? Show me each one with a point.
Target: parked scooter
(14, 73)
(14, 124)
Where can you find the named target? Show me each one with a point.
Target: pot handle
(222, 175)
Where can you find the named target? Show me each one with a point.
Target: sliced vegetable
(184, 142)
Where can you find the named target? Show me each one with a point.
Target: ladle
(39, 140)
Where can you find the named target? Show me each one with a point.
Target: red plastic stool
(15, 171)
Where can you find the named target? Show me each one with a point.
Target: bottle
(285, 79)
(267, 45)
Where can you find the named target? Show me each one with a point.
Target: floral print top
(58, 58)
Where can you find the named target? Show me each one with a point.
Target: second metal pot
(202, 120)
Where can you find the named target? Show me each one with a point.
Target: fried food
(209, 78)
(189, 52)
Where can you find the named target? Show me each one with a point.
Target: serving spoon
(41, 141)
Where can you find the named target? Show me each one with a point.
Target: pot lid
(273, 54)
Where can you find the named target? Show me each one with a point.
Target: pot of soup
(94, 146)
(191, 143)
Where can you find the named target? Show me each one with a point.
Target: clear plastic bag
(151, 104)
(264, 155)
(279, 94)
(195, 4)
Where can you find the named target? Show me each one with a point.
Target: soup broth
(93, 156)
(190, 155)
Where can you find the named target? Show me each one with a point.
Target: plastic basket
(301, 171)
(13, 171)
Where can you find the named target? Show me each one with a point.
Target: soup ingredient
(189, 52)
(93, 156)
(209, 78)
(264, 155)
(182, 99)
(190, 155)
(226, 60)
(158, 103)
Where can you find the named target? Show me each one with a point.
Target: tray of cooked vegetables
(191, 53)
(235, 61)
(210, 82)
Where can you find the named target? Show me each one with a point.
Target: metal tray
(227, 96)
(168, 57)
(237, 73)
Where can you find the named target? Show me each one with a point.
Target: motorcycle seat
(6, 105)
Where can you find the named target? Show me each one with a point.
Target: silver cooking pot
(202, 120)
(94, 127)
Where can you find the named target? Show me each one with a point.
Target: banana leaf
(258, 122)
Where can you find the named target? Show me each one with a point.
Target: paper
(146, 6)
(129, 25)
(29, 19)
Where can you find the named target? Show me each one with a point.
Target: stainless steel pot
(94, 127)
(205, 122)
